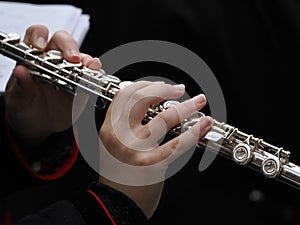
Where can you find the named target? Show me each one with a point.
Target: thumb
(23, 77)
(21, 87)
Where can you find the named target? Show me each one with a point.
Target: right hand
(129, 141)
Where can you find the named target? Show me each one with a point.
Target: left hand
(35, 109)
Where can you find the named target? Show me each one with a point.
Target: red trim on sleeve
(103, 206)
(68, 164)
(6, 220)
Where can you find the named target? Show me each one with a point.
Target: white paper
(81, 29)
(6, 67)
(17, 17)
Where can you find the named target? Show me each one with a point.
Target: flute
(224, 139)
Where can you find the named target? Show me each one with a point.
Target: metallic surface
(224, 139)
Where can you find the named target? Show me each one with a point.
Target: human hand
(131, 143)
(35, 109)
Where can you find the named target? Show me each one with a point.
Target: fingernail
(73, 52)
(199, 99)
(40, 42)
(205, 123)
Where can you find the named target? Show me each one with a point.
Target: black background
(252, 47)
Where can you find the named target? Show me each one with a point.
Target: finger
(24, 79)
(121, 98)
(142, 99)
(175, 115)
(91, 62)
(174, 148)
(134, 112)
(63, 41)
(37, 36)
(21, 88)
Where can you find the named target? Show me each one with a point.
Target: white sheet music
(17, 17)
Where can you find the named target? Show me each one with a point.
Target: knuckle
(105, 132)
(163, 116)
(60, 33)
(143, 161)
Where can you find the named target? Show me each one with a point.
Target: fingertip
(199, 99)
(20, 72)
(23, 75)
(94, 63)
(179, 90)
(206, 123)
(37, 36)
(62, 40)
(179, 87)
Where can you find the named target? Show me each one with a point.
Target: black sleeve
(99, 204)
(53, 159)
(62, 213)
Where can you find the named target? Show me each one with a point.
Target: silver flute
(223, 139)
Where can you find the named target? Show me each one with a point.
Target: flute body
(224, 139)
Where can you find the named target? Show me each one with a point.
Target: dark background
(252, 47)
